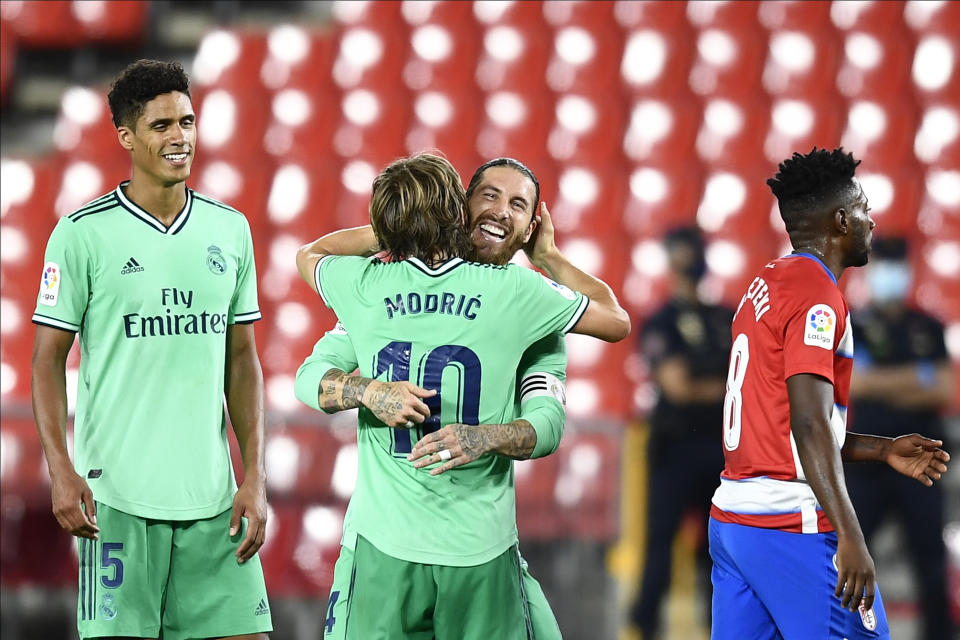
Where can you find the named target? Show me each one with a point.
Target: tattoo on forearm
(339, 391)
(517, 440)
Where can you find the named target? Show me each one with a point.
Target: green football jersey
(152, 305)
(460, 329)
(539, 395)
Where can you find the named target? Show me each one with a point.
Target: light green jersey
(460, 329)
(152, 305)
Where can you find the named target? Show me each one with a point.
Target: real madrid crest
(215, 260)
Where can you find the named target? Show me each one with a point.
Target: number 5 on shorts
(106, 563)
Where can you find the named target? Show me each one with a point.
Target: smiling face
(501, 214)
(162, 141)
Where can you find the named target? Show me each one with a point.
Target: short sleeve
(336, 277)
(244, 307)
(814, 327)
(548, 306)
(333, 351)
(64, 279)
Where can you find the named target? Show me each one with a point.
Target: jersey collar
(178, 222)
(803, 254)
(445, 267)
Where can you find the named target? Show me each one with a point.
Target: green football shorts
(182, 577)
(498, 599)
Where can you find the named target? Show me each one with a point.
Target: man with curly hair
(159, 282)
(789, 558)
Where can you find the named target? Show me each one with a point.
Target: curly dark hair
(505, 162)
(417, 208)
(141, 82)
(813, 183)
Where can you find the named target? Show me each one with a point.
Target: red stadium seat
(527, 16)
(588, 199)
(894, 190)
(513, 60)
(230, 125)
(801, 63)
(586, 130)
(238, 185)
(795, 14)
(730, 128)
(662, 130)
(940, 205)
(875, 64)
(300, 123)
(375, 15)
(797, 124)
(318, 546)
(447, 122)
(740, 17)
(535, 482)
(112, 22)
(85, 130)
(584, 60)
(456, 16)
(665, 16)
(880, 130)
(300, 463)
(590, 14)
(513, 125)
(371, 57)
(587, 489)
(938, 137)
(373, 125)
(50, 25)
(441, 57)
(661, 197)
(230, 60)
(8, 59)
(24, 469)
(657, 62)
(936, 66)
(728, 63)
(873, 16)
(301, 58)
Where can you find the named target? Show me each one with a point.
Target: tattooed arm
(466, 443)
(396, 404)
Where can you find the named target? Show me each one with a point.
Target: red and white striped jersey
(793, 319)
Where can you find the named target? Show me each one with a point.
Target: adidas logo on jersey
(262, 608)
(132, 266)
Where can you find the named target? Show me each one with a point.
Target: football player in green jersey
(160, 284)
(503, 196)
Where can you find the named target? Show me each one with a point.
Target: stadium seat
(24, 469)
(584, 60)
(230, 126)
(115, 22)
(588, 199)
(795, 14)
(44, 25)
(740, 17)
(8, 59)
(85, 132)
(587, 488)
(535, 481)
(300, 463)
(527, 16)
(513, 125)
(936, 66)
(442, 57)
(661, 197)
(894, 190)
(230, 60)
(447, 122)
(369, 13)
(880, 130)
(456, 16)
(665, 16)
(318, 546)
(938, 137)
(797, 124)
(371, 57)
(513, 60)
(301, 58)
(873, 16)
(730, 130)
(662, 130)
(657, 62)
(237, 185)
(373, 125)
(300, 123)
(873, 66)
(728, 63)
(585, 129)
(801, 63)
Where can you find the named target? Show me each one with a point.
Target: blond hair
(417, 209)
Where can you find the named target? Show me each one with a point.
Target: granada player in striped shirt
(789, 558)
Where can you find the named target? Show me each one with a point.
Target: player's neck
(828, 258)
(163, 202)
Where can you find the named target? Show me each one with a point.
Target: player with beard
(789, 556)
(502, 198)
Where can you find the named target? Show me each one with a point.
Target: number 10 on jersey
(394, 360)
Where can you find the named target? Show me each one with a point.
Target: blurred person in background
(687, 342)
(790, 559)
(159, 282)
(505, 193)
(902, 378)
(503, 198)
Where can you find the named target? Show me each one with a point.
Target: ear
(841, 221)
(534, 221)
(125, 136)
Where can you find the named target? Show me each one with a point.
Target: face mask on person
(889, 280)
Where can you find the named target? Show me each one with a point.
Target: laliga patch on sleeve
(562, 290)
(49, 284)
(820, 326)
(338, 329)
